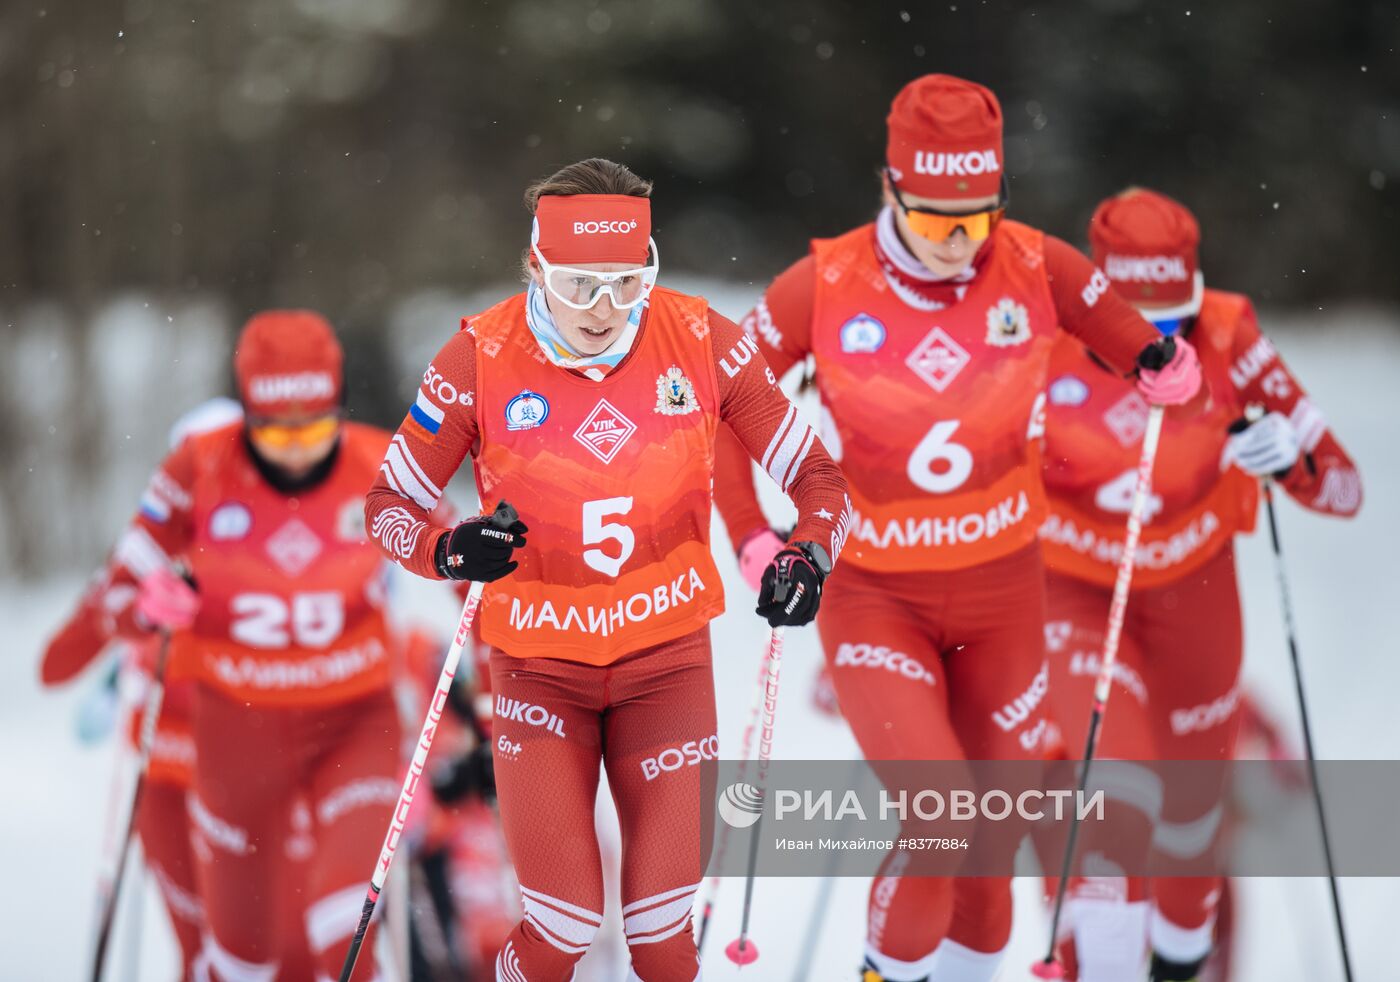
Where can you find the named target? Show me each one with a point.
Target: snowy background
(167, 168)
(1344, 576)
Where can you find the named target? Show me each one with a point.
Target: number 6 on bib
(937, 448)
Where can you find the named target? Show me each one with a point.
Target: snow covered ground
(1345, 581)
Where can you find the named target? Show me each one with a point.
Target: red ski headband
(593, 228)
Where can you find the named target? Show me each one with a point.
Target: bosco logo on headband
(593, 228)
(604, 228)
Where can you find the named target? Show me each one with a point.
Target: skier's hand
(1267, 447)
(756, 551)
(1169, 373)
(792, 585)
(166, 601)
(480, 548)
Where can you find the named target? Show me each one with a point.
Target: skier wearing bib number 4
(1177, 678)
(931, 330)
(283, 627)
(591, 404)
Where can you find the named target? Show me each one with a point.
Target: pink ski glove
(1169, 373)
(756, 551)
(165, 602)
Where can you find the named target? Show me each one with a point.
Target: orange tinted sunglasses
(286, 434)
(938, 225)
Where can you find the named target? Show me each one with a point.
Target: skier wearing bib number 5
(591, 403)
(1177, 678)
(931, 330)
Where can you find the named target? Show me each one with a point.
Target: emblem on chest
(1008, 324)
(230, 522)
(526, 411)
(605, 430)
(938, 359)
(293, 547)
(1126, 419)
(1068, 390)
(675, 395)
(862, 334)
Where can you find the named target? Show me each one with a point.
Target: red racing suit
(933, 402)
(296, 733)
(1177, 678)
(601, 640)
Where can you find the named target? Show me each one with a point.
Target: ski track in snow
(1344, 581)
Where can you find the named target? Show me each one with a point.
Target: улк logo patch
(675, 395)
(526, 411)
(938, 359)
(604, 431)
(1126, 419)
(294, 546)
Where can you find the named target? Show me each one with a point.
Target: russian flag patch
(154, 508)
(426, 415)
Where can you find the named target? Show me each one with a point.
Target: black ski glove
(480, 549)
(791, 587)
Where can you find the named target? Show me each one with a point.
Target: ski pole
(745, 752)
(154, 697)
(410, 781)
(503, 517)
(1291, 631)
(742, 951)
(1049, 967)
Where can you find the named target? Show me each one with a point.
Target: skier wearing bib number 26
(591, 403)
(1177, 679)
(931, 331)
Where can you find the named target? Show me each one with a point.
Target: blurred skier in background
(289, 650)
(89, 633)
(1177, 677)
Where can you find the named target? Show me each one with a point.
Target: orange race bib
(1095, 423)
(935, 415)
(612, 477)
(291, 589)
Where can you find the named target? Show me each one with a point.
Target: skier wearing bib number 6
(931, 330)
(284, 630)
(1176, 683)
(591, 403)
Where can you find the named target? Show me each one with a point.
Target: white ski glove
(1268, 447)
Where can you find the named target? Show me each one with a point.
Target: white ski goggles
(581, 289)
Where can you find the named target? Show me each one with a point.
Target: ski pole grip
(1156, 356)
(504, 516)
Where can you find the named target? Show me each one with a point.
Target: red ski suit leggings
(289, 811)
(555, 722)
(1175, 697)
(163, 825)
(939, 666)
